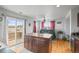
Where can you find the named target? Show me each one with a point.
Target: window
(47, 25)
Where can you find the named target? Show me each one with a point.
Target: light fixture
(57, 5)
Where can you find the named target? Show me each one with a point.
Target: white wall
(74, 27)
(67, 26)
(1, 30)
(59, 27)
(29, 29)
(67, 23)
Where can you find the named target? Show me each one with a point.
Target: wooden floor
(61, 46)
(58, 46)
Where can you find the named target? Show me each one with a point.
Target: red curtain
(52, 24)
(42, 25)
(34, 28)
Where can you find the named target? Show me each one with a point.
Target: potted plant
(64, 38)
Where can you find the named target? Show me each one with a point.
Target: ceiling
(40, 10)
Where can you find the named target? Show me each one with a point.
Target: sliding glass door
(19, 31)
(11, 31)
(15, 31)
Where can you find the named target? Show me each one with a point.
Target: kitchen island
(38, 43)
(75, 42)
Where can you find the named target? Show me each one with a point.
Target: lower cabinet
(34, 44)
(75, 45)
(27, 42)
(37, 44)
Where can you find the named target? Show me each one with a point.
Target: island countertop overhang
(43, 35)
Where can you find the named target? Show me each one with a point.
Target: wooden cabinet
(75, 45)
(44, 45)
(34, 44)
(37, 44)
(27, 42)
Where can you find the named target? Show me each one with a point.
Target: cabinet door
(35, 44)
(30, 43)
(26, 42)
(77, 46)
(43, 45)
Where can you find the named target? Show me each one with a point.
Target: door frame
(15, 30)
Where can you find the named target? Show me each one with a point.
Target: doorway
(15, 31)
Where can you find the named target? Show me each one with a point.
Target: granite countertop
(43, 35)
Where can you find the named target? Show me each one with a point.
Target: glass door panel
(11, 31)
(15, 31)
(19, 31)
